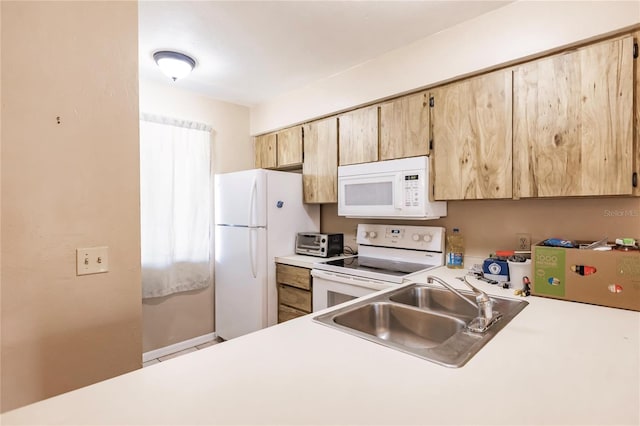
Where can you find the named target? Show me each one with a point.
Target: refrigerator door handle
(252, 254)
(252, 200)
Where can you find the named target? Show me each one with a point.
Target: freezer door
(240, 281)
(240, 198)
(286, 212)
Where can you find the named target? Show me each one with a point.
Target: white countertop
(305, 261)
(556, 362)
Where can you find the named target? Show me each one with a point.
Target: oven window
(369, 194)
(334, 298)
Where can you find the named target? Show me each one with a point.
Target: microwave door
(368, 195)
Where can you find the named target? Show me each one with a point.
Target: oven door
(330, 289)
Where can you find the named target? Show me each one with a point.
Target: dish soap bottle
(455, 250)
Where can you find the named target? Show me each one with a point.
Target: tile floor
(182, 352)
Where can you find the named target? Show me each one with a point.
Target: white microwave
(393, 189)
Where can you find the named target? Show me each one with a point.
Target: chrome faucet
(486, 315)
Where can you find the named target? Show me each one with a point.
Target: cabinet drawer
(286, 313)
(294, 276)
(294, 297)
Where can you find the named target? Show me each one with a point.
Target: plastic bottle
(455, 250)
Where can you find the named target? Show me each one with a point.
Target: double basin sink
(423, 320)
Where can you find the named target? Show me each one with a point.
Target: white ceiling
(248, 52)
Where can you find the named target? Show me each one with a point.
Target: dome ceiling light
(173, 64)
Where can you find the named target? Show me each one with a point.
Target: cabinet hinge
(635, 50)
(430, 144)
(634, 179)
(431, 101)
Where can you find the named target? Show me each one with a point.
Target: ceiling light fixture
(173, 64)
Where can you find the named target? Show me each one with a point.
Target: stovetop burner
(380, 266)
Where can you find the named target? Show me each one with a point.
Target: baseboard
(176, 347)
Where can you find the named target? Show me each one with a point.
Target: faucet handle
(475, 289)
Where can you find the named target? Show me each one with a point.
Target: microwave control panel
(413, 187)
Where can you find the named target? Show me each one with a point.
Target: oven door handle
(350, 280)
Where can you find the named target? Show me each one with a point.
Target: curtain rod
(175, 122)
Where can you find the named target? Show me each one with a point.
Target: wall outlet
(523, 242)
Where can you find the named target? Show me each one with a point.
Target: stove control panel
(429, 238)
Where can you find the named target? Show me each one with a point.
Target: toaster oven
(321, 245)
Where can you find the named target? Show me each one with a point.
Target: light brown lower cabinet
(294, 297)
(294, 291)
(286, 313)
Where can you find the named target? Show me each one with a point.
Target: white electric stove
(387, 254)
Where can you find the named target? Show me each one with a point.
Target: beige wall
(492, 225)
(515, 31)
(68, 185)
(232, 146)
(0, 210)
(181, 316)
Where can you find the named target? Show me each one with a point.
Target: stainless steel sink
(401, 325)
(422, 320)
(436, 300)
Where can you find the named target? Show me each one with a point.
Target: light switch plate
(92, 260)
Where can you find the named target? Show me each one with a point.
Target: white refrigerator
(257, 214)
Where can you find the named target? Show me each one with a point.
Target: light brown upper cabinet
(358, 136)
(320, 167)
(636, 142)
(265, 151)
(404, 127)
(290, 147)
(471, 122)
(573, 123)
(279, 150)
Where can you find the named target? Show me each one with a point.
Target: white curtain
(175, 205)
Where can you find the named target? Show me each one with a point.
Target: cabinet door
(265, 151)
(358, 136)
(286, 313)
(636, 142)
(294, 297)
(290, 147)
(573, 118)
(404, 127)
(320, 167)
(471, 122)
(294, 276)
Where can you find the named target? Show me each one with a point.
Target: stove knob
(415, 237)
(373, 234)
(365, 234)
(428, 237)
